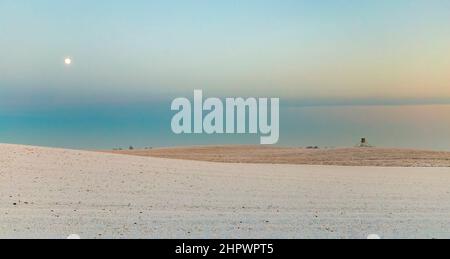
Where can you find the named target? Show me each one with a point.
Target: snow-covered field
(52, 193)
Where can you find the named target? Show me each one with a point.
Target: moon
(68, 61)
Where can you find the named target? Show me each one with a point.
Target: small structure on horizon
(364, 143)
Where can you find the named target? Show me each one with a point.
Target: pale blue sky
(130, 58)
(291, 48)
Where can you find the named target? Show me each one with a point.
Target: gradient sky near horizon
(289, 48)
(130, 58)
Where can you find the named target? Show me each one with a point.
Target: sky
(137, 55)
(289, 48)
